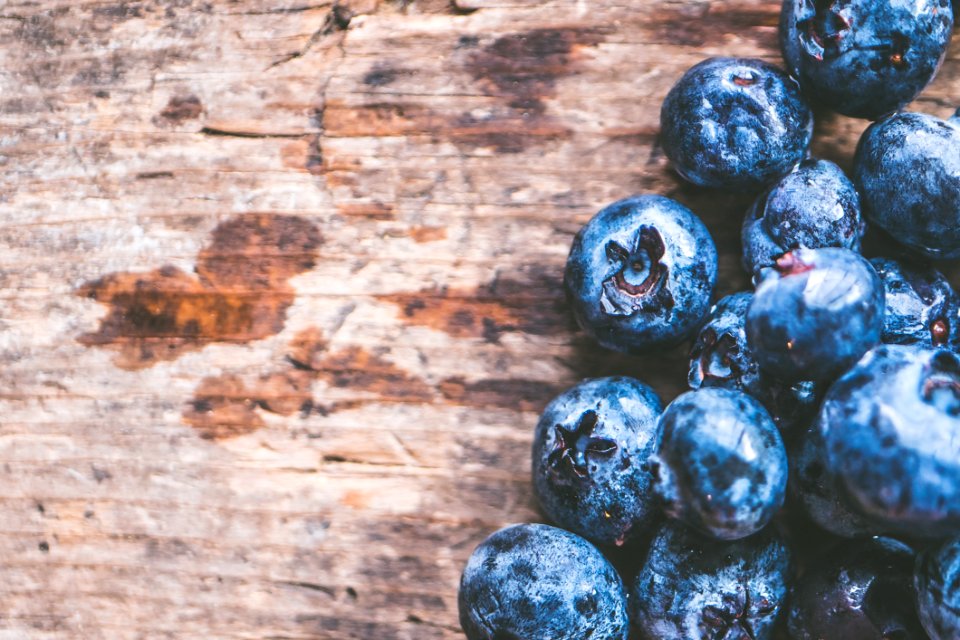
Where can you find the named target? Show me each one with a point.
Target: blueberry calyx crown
(822, 31)
(714, 357)
(622, 296)
(574, 446)
(734, 612)
(941, 383)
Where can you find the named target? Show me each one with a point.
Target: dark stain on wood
(381, 75)
(240, 292)
(512, 393)
(226, 407)
(522, 69)
(182, 108)
(533, 303)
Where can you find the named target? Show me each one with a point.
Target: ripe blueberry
(692, 588)
(588, 459)
(536, 581)
(815, 314)
(640, 274)
(814, 206)
(735, 123)
(907, 169)
(861, 590)
(891, 433)
(864, 58)
(720, 465)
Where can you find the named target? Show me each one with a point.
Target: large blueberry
(921, 306)
(735, 123)
(891, 432)
(865, 58)
(721, 357)
(814, 206)
(640, 274)
(588, 459)
(817, 489)
(861, 590)
(815, 313)
(692, 588)
(907, 169)
(720, 464)
(538, 582)
(937, 583)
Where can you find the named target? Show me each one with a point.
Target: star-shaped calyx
(825, 27)
(733, 618)
(575, 446)
(639, 283)
(716, 358)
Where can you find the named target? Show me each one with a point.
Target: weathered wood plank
(203, 438)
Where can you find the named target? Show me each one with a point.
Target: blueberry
(864, 58)
(817, 489)
(815, 314)
(937, 583)
(921, 306)
(640, 274)
(814, 206)
(692, 588)
(538, 582)
(861, 590)
(891, 433)
(721, 357)
(735, 123)
(907, 169)
(588, 459)
(720, 465)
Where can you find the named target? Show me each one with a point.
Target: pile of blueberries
(833, 387)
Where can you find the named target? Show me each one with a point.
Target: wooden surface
(281, 291)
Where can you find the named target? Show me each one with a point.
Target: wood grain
(205, 436)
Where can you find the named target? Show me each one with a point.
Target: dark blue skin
(907, 169)
(818, 491)
(814, 206)
(861, 590)
(937, 583)
(735, 123)
(921, 306)
(721, 357)
(864, 58)
(891, 433)
(720, 464)
(693, 588)
(588, 454)
(532, 581)
(640, 274)
(815, 314)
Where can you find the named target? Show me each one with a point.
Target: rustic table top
(281, 288)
